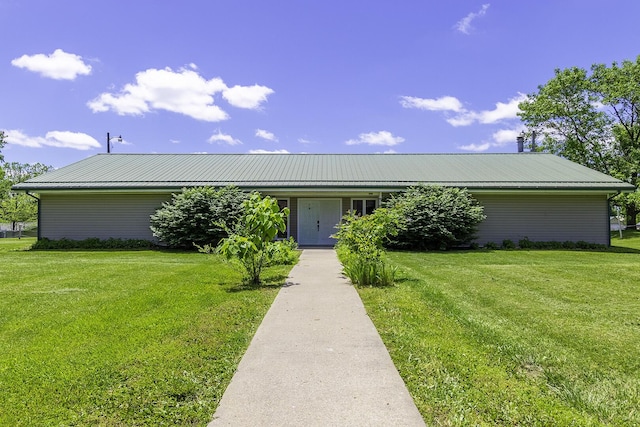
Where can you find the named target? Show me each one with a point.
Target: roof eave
(315, 186)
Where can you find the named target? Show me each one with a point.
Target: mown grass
(121, 337)
(517, 337)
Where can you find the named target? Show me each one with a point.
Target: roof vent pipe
(520, 140)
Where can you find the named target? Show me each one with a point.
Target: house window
(364, 206)
(283, 203)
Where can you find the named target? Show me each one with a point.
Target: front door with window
(317, 219)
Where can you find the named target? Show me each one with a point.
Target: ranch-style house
(538, 196)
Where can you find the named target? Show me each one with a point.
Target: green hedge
(93, 243)
(529, 244)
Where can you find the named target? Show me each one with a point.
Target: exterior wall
(544, 218)
(346, 206)
(80, 216)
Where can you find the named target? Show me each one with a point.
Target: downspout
(38, 199)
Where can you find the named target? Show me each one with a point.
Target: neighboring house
(538, 196)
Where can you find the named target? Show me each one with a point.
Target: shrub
(360, 247)
(286, 252)
(194, 217)
(435, 217)
(525, 243)
(528, 244)
(491, 245)
(251, 240)
(508, 244)
(92, 243)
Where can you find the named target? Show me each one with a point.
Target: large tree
(592, 118)
(3, 141)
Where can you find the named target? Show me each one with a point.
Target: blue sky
(288, 76)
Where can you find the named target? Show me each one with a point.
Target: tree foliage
(3, 142)
(18, 207)
(592, 118)
(434, 217)
(198, 216)
(252, 239)
(19, 172)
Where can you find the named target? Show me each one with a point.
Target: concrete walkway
(317, 360)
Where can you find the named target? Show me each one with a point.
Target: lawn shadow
(462, 251)
(622, 250)
(406, 279)
(270, 282)
(290, 283)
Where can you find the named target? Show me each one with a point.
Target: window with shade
(364, 206)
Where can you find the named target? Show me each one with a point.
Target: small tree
(252, 240)
(198, 216)
(435, 217)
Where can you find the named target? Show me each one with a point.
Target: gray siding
(80, 216)
(544, 218)
(346, 205)
(513, 216)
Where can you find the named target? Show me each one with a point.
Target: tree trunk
(632, 213)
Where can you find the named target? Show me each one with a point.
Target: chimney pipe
(520, 140)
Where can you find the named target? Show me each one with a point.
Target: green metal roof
(326, 171)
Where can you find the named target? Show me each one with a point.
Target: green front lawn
(120, 337)
(516, 337)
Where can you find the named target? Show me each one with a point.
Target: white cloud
(264, 134)
(183, 92)
(376, 138)
(504, 137)
(260, 151)
(222, 138)
(464, 25)
(476, 147)
(305, 141)
(500, 138)
(60, 65)
(250, 97)
(503, 111)
(60, 139)
(463, 117)
(445, 103)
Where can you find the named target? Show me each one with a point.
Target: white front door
(317, 219)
